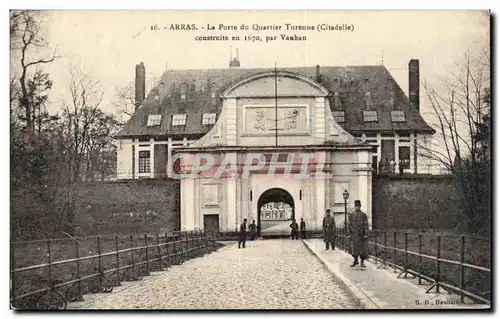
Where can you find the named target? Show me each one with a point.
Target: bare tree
(125, 98)
(86, 128)
(26, 41)
(461, 108)
(458, 106)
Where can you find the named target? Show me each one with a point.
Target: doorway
(211, 225)
(275, 210)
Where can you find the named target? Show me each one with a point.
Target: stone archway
(278, 223)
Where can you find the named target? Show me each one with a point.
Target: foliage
(461, 108)
(50, 154)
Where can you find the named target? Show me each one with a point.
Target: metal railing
(51, 283)
(440, 259)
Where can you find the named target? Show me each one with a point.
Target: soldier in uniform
(302, 228)
(294, 226)
(253, 230)
(329, 230)
(243, 233)
(358, 232)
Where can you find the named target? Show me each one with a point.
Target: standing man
(302, 228)
(294, 226)
(358, 231)
(329, 230)
(243, 233)
(253, 230)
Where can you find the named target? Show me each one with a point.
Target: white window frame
(398, 116)
(154, 120)
(179, 119)
(209, 119)
(339, 116)
(370, 116)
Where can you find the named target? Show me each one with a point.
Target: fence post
(159, 251)
(394, 251)
(375, 247)
(147, 256)
(198, 239)
(175, 252)
(118, 283)
(420, 258)
(49, 262)
(384, 261)
(79, 284)
(100, 259)
(132, 256)
(12, 273)
(169, 259)
(438, 263)
(405, 268)
(462, 275)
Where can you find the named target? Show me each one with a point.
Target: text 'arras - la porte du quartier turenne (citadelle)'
(256, 32)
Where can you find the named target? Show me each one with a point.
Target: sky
(108, 44)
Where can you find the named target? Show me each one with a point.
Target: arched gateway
(275, 141)
(276, 218)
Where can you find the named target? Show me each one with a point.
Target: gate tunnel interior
(274, 195)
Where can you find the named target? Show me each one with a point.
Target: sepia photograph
(250, 160)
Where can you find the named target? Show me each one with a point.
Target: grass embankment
(476, 252)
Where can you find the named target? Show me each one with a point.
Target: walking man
(243, 233)
(302, 228)
(253, 230)
(329, 230)
(358, 232)
(294, 226)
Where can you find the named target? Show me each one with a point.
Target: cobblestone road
(269, 274)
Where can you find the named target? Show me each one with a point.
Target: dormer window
(368, 100)
(184, 91)
(179, 119)
(336, 100)
(154, 120)
(339, 116)
(398, 116)
(370, 116)
(208, 118)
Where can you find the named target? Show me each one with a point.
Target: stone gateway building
(337, 126)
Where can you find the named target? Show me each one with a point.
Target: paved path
(380, 288)
(268, 274)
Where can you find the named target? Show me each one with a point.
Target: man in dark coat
(243, 233)
(329, 230)
(358, 232)
(302, 228)
(253, 230)
(294, 226)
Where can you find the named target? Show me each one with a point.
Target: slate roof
(351, 83)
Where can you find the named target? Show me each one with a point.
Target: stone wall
(415, 202)
(128, 206)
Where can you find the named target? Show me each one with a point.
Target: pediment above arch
(283, 83)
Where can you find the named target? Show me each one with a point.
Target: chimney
(140, 84)
(318, 75)
(234, 63)
(414, 83)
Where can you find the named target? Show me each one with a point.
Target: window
(404, 157)
(370, 116)
(154, 119)
(208, 119)
(179, 119)
(144, 162)
(398, 116)
(339, 116)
